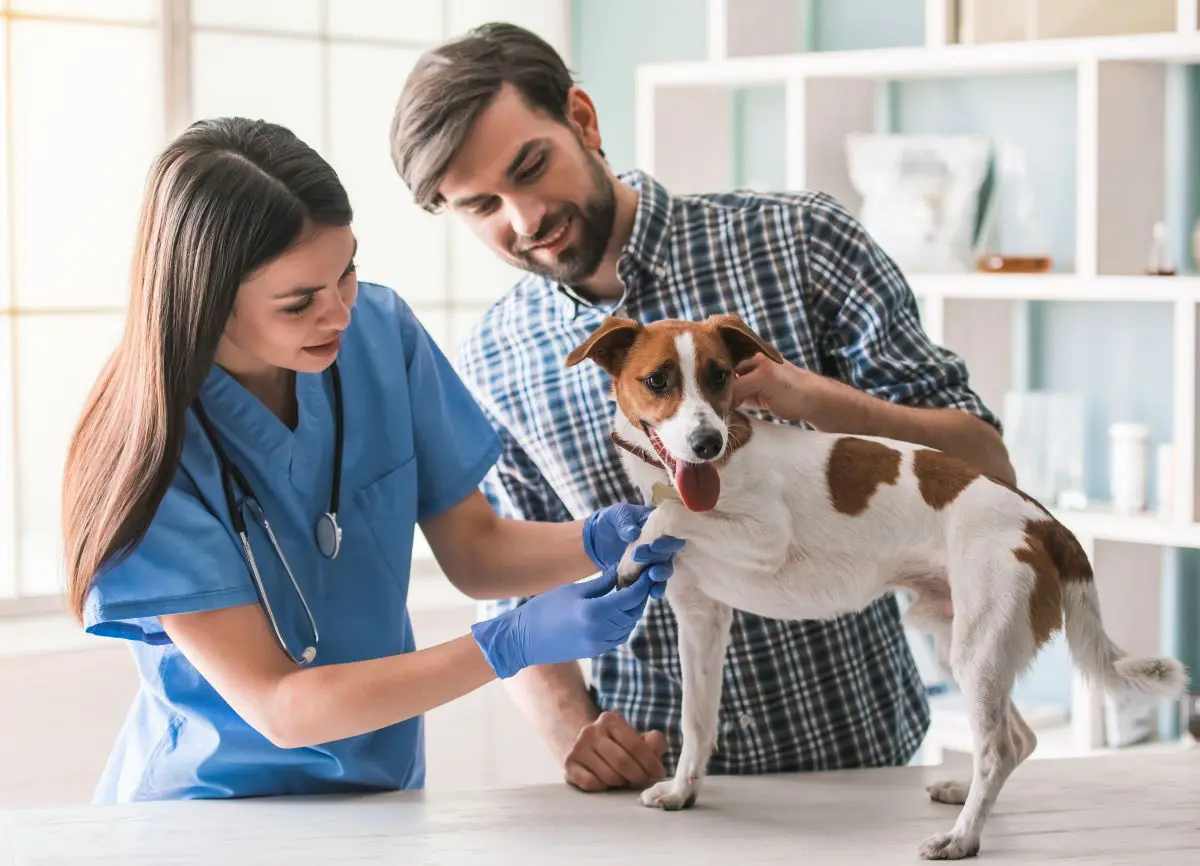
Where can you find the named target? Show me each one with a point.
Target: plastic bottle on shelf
(1129, 469)
(1159, 263)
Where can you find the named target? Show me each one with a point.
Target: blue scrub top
(416, 443)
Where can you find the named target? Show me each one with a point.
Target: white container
(1164, 479)
(1129, 446)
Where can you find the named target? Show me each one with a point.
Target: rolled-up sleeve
(869, 321)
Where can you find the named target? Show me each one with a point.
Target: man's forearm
(555, 699)
(838, 408)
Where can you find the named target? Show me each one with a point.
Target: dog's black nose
(705, 442)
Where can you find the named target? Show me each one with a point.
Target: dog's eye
(656, 381)
(719, 377)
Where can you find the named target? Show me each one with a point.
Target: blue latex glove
(577, 620)
(607, 532)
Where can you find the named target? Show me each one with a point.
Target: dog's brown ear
(607, 344)
(742, 342)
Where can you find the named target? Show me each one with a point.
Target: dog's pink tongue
(698, 484)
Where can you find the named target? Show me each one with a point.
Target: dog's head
(673, 379)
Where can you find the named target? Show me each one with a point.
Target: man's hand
(781, 389)
(610, 753)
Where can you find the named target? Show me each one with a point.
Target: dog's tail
(1097, 657)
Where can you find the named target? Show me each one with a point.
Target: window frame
(175, 30)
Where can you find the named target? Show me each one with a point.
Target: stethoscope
(328, 533)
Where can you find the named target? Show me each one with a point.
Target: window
(93, 89)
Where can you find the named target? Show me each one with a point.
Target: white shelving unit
(1121, 122)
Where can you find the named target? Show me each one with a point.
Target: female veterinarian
(243, 487)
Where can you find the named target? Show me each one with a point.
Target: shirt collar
(647, 245)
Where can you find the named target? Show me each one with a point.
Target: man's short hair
(452, 85)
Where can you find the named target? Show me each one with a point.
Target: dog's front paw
(629, 571)
(657, 524)
(948, 846)
(671, 795)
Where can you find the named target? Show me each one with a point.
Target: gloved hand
(577, 620)
(607, 532)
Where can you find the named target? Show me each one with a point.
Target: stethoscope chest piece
(329, 536)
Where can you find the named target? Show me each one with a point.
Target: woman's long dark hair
(225, 198)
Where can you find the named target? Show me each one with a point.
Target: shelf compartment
(1034, 116)
(743, 131)
(1121, 170)
(668, 126)
(836, 107)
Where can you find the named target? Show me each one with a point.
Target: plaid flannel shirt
(804, 274)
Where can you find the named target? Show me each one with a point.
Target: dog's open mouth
(698, 484)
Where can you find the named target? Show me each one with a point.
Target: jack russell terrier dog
(791, 523)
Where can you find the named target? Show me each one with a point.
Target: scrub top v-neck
(415, 443)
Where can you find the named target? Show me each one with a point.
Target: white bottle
(1128, 466)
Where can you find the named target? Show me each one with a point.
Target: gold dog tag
(660, 493)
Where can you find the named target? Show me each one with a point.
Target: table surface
(1112, 809)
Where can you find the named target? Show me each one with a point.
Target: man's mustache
(544, 231)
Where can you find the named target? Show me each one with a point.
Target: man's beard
(578, 261)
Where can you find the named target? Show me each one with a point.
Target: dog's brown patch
(607, 344)
(1064, 549)
(654, 351)
(1056, 557)
(855, 470)
(1045, 602)
(714, 369)
(941, 477)
(740, 340)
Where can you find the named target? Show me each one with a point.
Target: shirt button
(746, 721)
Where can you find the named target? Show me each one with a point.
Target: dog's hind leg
(995, 757)
(954, 792)
(703, 637)
(1023, 736)
(991, 642)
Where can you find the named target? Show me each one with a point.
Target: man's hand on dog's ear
(780, 388)
(611, 753)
